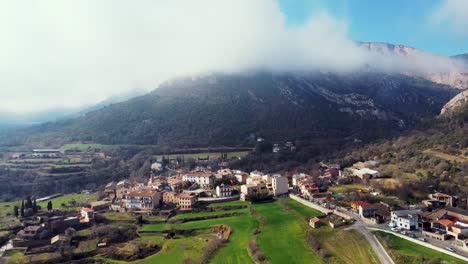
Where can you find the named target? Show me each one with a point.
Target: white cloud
(452, 14)
(64, 53)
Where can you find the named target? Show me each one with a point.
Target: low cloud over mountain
(70, 53)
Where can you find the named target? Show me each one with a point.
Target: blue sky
(407, 22)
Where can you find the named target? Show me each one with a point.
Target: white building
(406, 219)
(202, 178)
(223, 190)
(362, 173)
(297, 177)
(279, 184)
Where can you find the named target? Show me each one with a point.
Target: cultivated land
(405, 252)
(203, 155)
(79, 200)
(282, 239)
(84, 147)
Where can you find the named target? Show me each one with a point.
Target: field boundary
(453, 254)
(310, 204)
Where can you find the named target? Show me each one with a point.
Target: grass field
(230, 203)
(406, 252)
(345, 246)
(235, 251)
(283, 238)
(201, 214)
(56, 202)
(84, 147)
(344, 188)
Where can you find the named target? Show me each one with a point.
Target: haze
(65, 54)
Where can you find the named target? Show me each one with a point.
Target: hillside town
(438, 221)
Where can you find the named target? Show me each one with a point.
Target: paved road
(375, 244)
(360, 226)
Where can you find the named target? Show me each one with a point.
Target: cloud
(64, 53)
(452, 14)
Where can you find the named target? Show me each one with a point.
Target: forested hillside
(433, 156)
(232, 110)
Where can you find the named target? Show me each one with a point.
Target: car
(403, 232)
(422, 239)
(411, 235)
(391, 225)
(450, 249)
(394, 229)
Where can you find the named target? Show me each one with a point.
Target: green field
(84, 147)
(406, 252)
(56, 202)
(202, 214)
(355, 249)
(283, 238)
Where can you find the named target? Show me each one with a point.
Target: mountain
(233, 109)
(455, 103)
(9, 120)
(410, 61)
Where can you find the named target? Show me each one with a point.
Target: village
(436, 221)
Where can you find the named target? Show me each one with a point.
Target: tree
(15, 211)
(49, 206)
(34, 207)
(29, 203)
(22, 208)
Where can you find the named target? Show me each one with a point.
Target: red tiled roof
(445, 222)
(360, 203)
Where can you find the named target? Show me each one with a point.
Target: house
(297, 177)
(241, 177)
(170, 198)
(366, 210)
(224, 173)
(187, 200)
(248, 190)
(30, 232)
(308, 190)
(100, 205)
(355, 205)
(201, 178)
(457, 214)
(443, 198)
(87, 214)
(279, 184)
(365, 173)
(223, 190)
(143, 200)
(406, 219)
(60, 241)
(315, 222)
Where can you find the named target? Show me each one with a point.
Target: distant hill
(231, 110)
